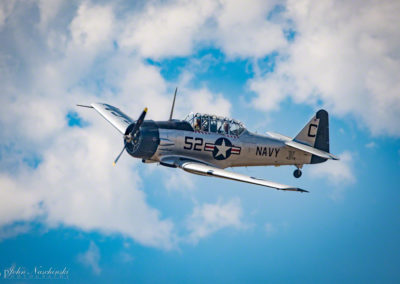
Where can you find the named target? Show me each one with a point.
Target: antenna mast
(173, 105)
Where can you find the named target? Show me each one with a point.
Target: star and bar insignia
(222, 149)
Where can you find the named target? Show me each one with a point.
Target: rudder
(322, 137)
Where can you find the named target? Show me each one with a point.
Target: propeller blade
(116, 160)
(135, 130)
(138, 123)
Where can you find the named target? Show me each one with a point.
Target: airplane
(206, 144)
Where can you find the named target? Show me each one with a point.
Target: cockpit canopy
(215, 124)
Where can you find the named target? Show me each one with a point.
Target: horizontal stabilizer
(279, 136)
(311, 150)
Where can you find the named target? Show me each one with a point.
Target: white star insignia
(222, 149)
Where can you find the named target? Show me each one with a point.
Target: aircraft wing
(113, 115)
(203, 169)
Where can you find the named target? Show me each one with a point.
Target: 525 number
(193, 143)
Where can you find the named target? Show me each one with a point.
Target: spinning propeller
(131, 136)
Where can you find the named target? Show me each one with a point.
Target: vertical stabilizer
(316, 134)
(308, 134)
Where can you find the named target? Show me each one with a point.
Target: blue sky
(62, 204)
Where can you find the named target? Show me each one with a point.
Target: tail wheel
(297, 173)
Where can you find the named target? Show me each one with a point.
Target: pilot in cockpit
(204, 126)
(226, 127)
(197, 123)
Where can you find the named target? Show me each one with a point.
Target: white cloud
(125, 257)
(17, 203)
(6, 8)
(337, 172)
(139, 85)
(244, 31)
(74, 184)
(178, 180)
(7, 232)
(209, 218)
(202, 100)
(92, 26)
(345, 55)
(48, 11)
(371, 145)
(270, 93)
(33, 118)
(176, 28)
(167, 29)
(77, 186)
(91, 258)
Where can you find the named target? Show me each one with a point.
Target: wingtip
(295, 189)
(333, 157)
(87, 106)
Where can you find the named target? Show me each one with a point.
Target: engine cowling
(145, 144)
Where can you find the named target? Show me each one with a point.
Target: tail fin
(308, 134)
(316, 134)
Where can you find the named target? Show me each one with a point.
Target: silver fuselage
(248, 149)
